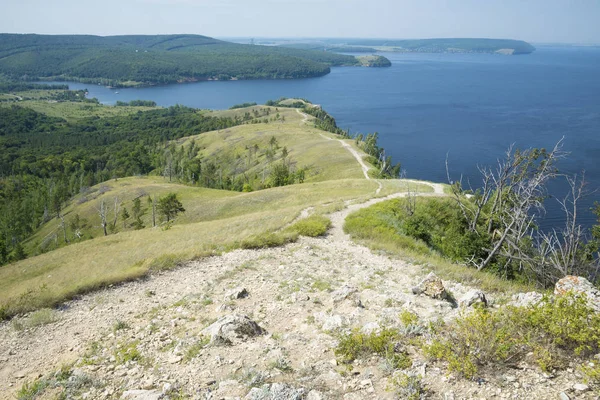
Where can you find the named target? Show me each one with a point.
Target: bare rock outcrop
(230, 328)
(431, 286)
(276, 391)
(472, 297)
(579, 286)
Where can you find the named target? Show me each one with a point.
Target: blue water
(469, 107)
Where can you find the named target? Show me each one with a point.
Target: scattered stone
(473, 296)
(237, 293)
(174, 359)
(334, 322)
(564, 396)
(276, 391)
(370, 328)
(231, 327)
(579, 285)
(299, 296)
(314, 395)
(20, 375)
(431, 286)
(142, 395)
(347, 292)
(366, 383)
(526, 299)
(225, 308)
(580, 387)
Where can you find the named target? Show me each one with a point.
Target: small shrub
(120, 325)
(282, 364)
(195, 349)
(268, 239)
(252, 377)
(321, 285)
(408, 318)
(128, 352)
(385, 344)
(313, 226)
(407, 386)
(555, 331)
(30, 390)
(37, 318)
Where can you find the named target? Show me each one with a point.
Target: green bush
(407, 386)
(313, 226)
(385, 343)
(268, 239)
(554, 331)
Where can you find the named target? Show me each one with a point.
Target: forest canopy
(154, 59)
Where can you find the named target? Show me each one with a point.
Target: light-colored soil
(290, 297)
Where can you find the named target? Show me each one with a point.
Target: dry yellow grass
(216, 221)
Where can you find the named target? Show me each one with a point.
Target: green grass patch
(313, 226)
(37, 318)
(193, 351)
(382, 227)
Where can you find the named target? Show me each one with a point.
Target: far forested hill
(154, 59)
(446, 45)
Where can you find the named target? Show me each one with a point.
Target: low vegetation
(551, 334)
(380, 227)
(386, 343)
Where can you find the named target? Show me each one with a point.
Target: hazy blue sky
(532, 20)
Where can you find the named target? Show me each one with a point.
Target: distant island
(464, 45)
(137, 60)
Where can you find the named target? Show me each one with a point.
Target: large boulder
(579, 286)
(431, 286)
(231, 328)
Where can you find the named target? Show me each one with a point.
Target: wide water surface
(468, 107)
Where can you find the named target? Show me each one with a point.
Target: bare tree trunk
(64, 227)
(154, 211)
(116, 210)
(102, 214)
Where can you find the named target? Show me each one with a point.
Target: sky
(538, 21)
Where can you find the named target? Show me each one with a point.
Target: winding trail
(25, 355)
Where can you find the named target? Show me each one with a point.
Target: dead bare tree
(508, 203)
(63, 226)
(567, 251)
(102, 211)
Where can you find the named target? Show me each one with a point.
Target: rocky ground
(251, 324)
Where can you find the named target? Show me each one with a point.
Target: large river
(469, 107)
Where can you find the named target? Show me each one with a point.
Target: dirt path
(305, 116)
(25, 354)
(291, 295)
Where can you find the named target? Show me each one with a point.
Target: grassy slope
(215, 220)
(74, 111)
(306, 146)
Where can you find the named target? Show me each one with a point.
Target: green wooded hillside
(154, 59)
